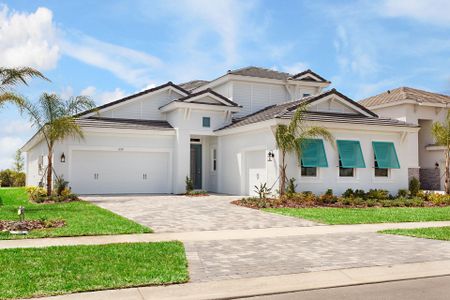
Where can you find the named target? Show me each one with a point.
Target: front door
(196, 165)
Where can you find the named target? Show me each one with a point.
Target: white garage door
(256, 170)
(108, 172)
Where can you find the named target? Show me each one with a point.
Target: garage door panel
(108, 172)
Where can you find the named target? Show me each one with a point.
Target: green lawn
(435, 233)
(82, 218)
(367, 215)
(32, 272)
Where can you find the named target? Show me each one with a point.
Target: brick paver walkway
(230, 259)
(170, 213)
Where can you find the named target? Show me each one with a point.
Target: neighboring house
(421, 108)
(221, 134)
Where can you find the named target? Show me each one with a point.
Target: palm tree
(11, 77)
(55, 119)
(441, 133)
(289, 138)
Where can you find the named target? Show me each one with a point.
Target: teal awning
(350, 154)
(313, 153)
(385, 155)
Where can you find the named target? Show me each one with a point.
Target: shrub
(60, 185)
(189, 185)
(6, 178)
(36, 194)
(328, 197)
(360, 194)
(290, 189)
(349, 193)
(197, 193)
(377, 194)
(262, 190)
(414, 186)
(402, 193)
(439, 199)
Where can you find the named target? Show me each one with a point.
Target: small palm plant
(55, 120)
(441, 133)
(10, 78)
(290, 137)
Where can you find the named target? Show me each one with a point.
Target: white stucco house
(421, 108)
(221, 134)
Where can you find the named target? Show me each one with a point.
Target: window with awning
(350, 154)
(385, 155)
(313, 154)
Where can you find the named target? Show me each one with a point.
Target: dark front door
(196, 165)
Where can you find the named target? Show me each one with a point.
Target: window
(309, 172)
(380, 172)
(214, 160)
(206, 122)
(345, 172)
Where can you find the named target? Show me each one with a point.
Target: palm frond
(78, 104)
(13, 76)
(10, 97)
(298, 118)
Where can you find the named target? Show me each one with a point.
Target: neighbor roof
(286, 111)
(118, 123)
(253, 71)
(403, 94)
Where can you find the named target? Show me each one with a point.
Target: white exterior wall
(233, 152)
(143, 107)
(32, 163)
(254, 96)
(365, 178)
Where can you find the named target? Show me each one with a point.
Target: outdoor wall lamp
(436, 165)
(270, 155)
(63, 158)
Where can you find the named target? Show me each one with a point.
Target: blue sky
(108, 49)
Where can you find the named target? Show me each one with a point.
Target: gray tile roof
(193, 84)
(273, 74)
(405, 93)
(207, 91)
(117, 123)
(286, 111)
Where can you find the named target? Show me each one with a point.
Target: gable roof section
(192, 98)
(309, 75)
(130, 97)
(287, 110)
(401, 94)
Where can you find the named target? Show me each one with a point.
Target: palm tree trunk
(447, 171)
(282, 173)
(49, 171)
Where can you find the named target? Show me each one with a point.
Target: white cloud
(32, 39)
(132, 66)
(8, 146)
(295, 67)
(28, 39)
(433, 12)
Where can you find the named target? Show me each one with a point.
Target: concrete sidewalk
(215, 235)
(236, 288)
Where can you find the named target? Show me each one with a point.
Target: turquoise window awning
(385, 155)
(313, 153)
(350, 154)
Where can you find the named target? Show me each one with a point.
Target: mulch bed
(30, 225)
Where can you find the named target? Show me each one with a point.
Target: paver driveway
(170, 213)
